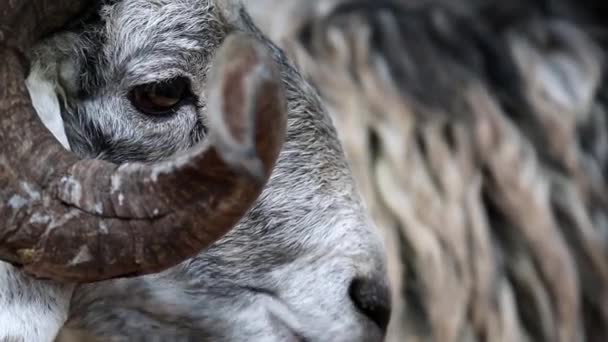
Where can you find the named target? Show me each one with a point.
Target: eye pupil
(160, 98)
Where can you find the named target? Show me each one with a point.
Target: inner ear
(44, 95)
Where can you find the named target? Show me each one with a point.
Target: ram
(178, 214)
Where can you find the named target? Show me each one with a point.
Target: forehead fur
(140, 41)
(138, 28)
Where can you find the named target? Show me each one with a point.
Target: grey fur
(284, 272)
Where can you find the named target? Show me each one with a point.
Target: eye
(160, 98)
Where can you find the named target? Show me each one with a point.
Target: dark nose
(371, 296)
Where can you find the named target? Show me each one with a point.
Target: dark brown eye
(160, 98)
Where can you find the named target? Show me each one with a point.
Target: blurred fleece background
(478, 133)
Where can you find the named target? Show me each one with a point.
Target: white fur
(35, 316)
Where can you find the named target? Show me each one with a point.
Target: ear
(44, 94)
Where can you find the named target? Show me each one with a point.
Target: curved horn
(88, 220)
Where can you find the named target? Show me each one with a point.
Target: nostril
(372, 298)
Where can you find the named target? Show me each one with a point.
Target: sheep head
(87, 220)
